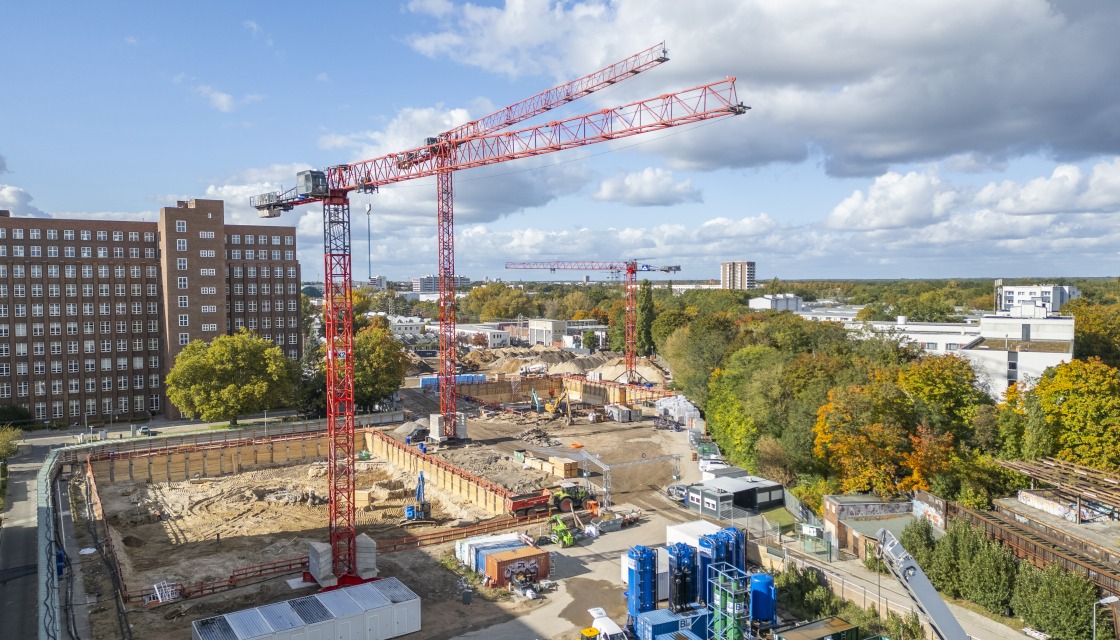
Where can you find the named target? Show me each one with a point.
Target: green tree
(311, 393)
(646, 316)
(917, 539)
(380, 365)
(952, 558)
(230, 376)
(1080, 402)
(590, 340)
(1096, 330)
(1061, 603)
(944, 392)
(666, 322)
(694, 352)
(990, 581)
(16, 415)
(9, 435)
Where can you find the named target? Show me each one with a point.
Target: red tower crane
(474, 144)
(631, 269)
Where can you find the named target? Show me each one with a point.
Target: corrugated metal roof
(215, 628)
(369, 598)
(339, 603)
(310, 610)
(280, 616)
(248, 624)
(395, 590)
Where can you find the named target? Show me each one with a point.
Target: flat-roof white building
(776, 302)
(406, 325)
(1049, 296)
(495, 337)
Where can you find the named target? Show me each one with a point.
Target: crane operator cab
(602, 627)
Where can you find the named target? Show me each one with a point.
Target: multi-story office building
(93, 313)
(736, 275)
(430, 284)
(1050, 297)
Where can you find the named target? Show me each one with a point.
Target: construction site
(226, 525)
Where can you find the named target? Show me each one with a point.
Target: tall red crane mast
(631, 269)
(473, 145)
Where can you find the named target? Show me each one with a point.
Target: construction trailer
(372, 611)
(717, 497)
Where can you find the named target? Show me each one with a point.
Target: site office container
(503, 566)
(464, 549)
(482, 554)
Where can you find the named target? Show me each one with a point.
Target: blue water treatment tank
(763, 596)
(682, 576)
(736, 548)
(641, 589)
(705, 553)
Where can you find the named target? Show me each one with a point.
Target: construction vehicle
(554, 406)
(945, 626)
(536, 400)
(420, 511)
(529, 503)
(561, 534)
(602, 627)
(569, 496)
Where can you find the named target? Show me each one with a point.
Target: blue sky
(946, 138)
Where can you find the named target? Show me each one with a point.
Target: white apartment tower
(736, 275)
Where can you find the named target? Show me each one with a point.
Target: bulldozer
(569, 496)
(561, 534)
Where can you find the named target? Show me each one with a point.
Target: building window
(184, 338)
(206, 253)
(180, 226)
(181, 244)
(183, 302)
(184, 320)
(182, 282)
(181, 264)
(206, 235)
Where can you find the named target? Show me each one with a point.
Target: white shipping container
(464, 549)
(662, 572)
(689, 532)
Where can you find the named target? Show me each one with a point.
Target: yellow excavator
(553, 406)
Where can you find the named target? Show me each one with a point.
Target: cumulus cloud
(650, 187)
(895, 84)
(1067, 189)
(894, 201)
(18, 201)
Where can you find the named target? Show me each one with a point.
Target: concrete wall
(164, 466)
(438, 473)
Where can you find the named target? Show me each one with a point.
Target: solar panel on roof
(395, 590)
(248, 624)
(215, 628)
(280, 616)
(310, 610)
(339, 603)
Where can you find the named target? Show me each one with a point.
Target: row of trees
(802, 593)
(242, 374)
(966, 564)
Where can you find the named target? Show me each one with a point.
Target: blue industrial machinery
(682, 576)
(420, 511)
(736, 547)
(712, 549)
(641, 590)
(728, 606)
(763, 600)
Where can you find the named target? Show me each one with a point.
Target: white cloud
(864, 85)
(894, 201)
(18, 201)
(1066, 190)
(650, 187)
(131, 40)
(223, 101)
(252, 26)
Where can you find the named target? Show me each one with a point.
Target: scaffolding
(730, 588)
(606, 470)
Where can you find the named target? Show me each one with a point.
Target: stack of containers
(465, 550)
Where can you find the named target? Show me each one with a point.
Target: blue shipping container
(432, 382)
(697, 621)
(652, 624)
(481, 552)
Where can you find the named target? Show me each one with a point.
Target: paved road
(19, 584)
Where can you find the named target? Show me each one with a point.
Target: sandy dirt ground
(203, 529)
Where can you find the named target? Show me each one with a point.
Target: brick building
(93, 313)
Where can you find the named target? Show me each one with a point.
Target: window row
(250, 254)
(54, 309)
(89, 366)
(251, 272)
(89, 327)
(71, 290)
(71, 271)
(261, 239)
(107, 406)
(36, 251)
(84, 234)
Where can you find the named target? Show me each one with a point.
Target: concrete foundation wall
(442, 475)
(183, 465)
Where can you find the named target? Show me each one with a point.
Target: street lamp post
(1105, 601)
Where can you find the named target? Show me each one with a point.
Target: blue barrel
(410, 512)
(762, 597)
(408, 440)
(423, 448)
